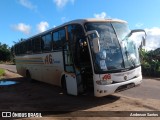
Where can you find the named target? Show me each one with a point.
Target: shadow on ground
(37, 96)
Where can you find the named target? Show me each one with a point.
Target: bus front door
(71, 84)
(70, 76)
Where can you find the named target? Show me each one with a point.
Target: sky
(25, 18)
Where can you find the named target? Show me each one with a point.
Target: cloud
(100, 15)
(26, 29)
(152, 40)
(62, 3)
(155, 31)
(64, 19)
(139, 25)
(42, 26)
(27, 4)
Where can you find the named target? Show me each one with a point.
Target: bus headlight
(104, 82)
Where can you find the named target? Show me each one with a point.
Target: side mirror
(94, 38)
(143, 41)
(136, 30)
(96, 46)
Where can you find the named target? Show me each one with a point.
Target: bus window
(76, 38)
(36, 45)
(55, 39)
(17, 49)
(29, 46)
(47, 42)
(23, 47)
(62, 35)
(59, 37)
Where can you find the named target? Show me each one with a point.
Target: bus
(84, 54)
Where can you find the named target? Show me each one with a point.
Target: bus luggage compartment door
(71, 84)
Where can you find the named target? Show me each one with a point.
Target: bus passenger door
(70, 76)
(71, 84)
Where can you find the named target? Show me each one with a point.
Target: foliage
(2, 72)
(150, 63)
(5, 53)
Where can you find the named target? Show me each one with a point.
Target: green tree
(150, 63)
(5, 52)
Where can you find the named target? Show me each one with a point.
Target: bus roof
(77, 21)
(81, 21)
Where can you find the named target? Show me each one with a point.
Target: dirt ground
(26, 96)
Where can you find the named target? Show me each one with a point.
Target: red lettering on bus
(107, 77)
(48, 59)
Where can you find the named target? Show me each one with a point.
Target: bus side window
(55, 39)
(59, 38)
(47, 42)
(62, 35)
(17, 49)
(22, 47)
(29, 46)
(36, 45)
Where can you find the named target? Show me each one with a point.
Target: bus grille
(125, 87)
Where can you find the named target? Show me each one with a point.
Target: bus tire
(63, 84)
(28, 76)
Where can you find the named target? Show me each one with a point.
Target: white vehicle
(83, 54)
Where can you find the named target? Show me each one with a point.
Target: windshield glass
(116, 51)
(128, 46)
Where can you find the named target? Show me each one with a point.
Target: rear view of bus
(115, 56)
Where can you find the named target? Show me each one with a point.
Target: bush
(5, 52)
(2, 72)
(150, 64)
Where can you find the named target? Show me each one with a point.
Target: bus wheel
(63, 84)
(28, 76)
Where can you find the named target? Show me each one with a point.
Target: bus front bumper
(103, 90)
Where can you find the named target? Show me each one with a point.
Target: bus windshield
(117, 52)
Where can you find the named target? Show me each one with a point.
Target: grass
(7, 62)
(2, 72)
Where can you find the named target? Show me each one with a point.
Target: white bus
(81, 55)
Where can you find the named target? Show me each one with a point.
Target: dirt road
(150, 88)
(37, 96)
(11, 68)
